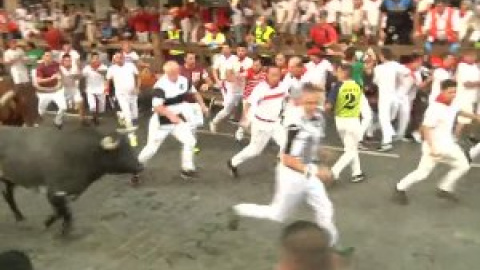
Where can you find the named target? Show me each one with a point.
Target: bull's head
(118, 155)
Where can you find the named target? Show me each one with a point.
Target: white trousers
(230, 101)
(452, 154)
(58, 97)
(72, 96)
(158, 133)
(186, 26)
(366, 113)
(129, 107)
(404, 112)
(290, 189)
(386, 107)
(346, 25)
(96, 101)
(350, 131)
(262, 132)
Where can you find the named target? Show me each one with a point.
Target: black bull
(65, 163)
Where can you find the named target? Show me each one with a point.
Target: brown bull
(17, 107)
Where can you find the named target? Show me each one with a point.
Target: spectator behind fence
(399, 23)
(305, 246)
(442, 26)
(323, 34)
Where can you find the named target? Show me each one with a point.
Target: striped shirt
(253, 79)
(304, 137)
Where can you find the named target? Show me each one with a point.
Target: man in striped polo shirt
(254, 76)
(345, 101)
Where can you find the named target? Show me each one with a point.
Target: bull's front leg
(59, 203)
(8, 195)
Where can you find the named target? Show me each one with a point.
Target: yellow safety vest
(219, 37)
(174, 35)
(263, 35)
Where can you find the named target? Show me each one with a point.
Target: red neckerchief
(442, 99)
(462, 13)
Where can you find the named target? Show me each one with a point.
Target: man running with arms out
(346, 100)
(170, 112)
(298, 177)
(439, 145)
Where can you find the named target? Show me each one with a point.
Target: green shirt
(357, 72)
(347, 99)
(34, 55)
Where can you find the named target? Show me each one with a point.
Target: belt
(264, 120)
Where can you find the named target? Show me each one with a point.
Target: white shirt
(166, 91)
(346, 9)
(308, 8)
(439, 75)
(123, 78)
(18, 70)
(241, 67)
(441, 118)
(266, 102)
(317, 73)
(294, 85)
(333, 7)
(95, 82)
(222, 64)
(238, 18)
(408, 81)
(68, 77)
(386, 77)
(131, 57)
(73, 54)
(467, 73)
(442, 23)
(372, 8)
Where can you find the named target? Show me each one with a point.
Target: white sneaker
(239, 134)
(417, 137)
(213, 127)
(385, 147)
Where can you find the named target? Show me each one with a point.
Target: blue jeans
(453, 48)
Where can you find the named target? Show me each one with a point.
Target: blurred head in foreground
(305, 246)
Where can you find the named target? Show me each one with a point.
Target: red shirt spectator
(153, 22)
(253, 78)
(223, 17)
(141, 22)
(323, 34)
(54, 38)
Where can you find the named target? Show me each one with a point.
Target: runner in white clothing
(468, 79)
(94, 74)
(226, 74)
(439, 145)
(386, 76)
(124, 76)
(70, 77)
(267, 101)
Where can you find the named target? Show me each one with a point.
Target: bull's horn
(108, 143)
(126, 130)
(6, 97)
